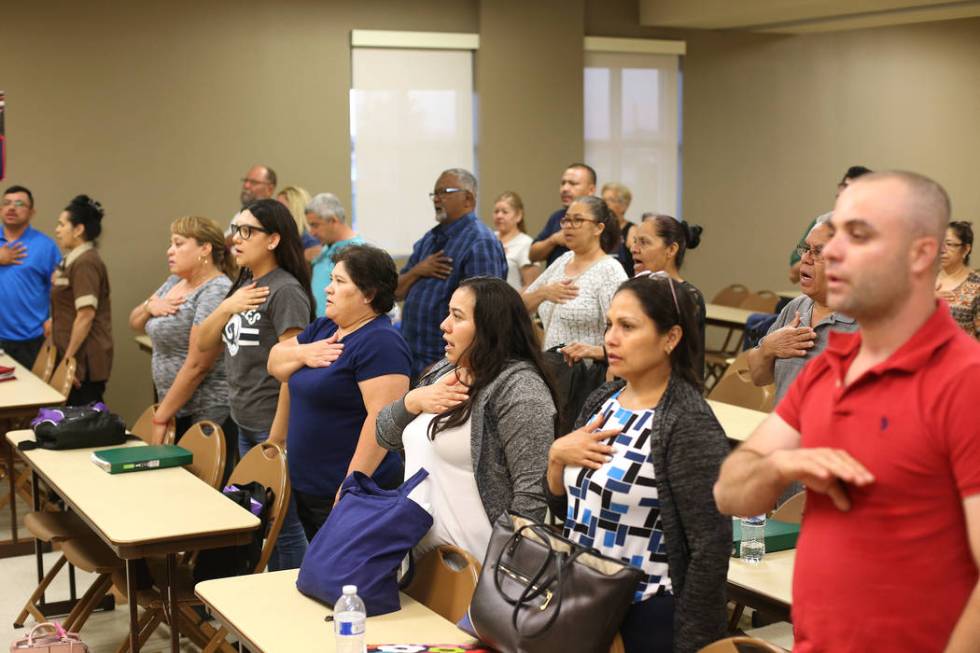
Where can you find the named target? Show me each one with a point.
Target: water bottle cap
(350, 589)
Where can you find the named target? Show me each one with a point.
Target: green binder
(780, 536)
(135, 459)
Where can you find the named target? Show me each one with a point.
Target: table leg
(12, 478)
(37, 543)
(172, 600)
(134, 636)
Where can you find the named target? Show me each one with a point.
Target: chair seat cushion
(91, 554)
(56, 526)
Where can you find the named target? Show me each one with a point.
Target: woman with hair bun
(659, 245)
(81, 315)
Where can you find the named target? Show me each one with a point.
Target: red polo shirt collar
(842, 348)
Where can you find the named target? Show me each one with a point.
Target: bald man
(882, 430)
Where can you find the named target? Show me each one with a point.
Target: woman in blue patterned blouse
(635, 481)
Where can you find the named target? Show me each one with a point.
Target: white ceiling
(799, 16)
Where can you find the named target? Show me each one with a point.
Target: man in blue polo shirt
(577, 180)
(458, 248)
(27, 260)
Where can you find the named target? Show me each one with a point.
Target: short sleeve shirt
(326, 408)
(553, 226)
(517, 250)
(912, 422)
(25, 289)
(171, 337)
(249, 337)
(82, 281)
(786, 370)
(965, 304)
(582, 319)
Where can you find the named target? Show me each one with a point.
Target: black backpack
(78, 427)
(241, 559)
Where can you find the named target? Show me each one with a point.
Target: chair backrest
(64, 376)
(792, 509)
(736, 390)
(741, 645)
(44, 363)
(206, 440)
(265, 464)
(731, 295)
(763, 301)
(143, 428)
(445, 579)
(740, 365)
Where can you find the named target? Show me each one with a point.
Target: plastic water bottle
(753, 538)
(349, 615)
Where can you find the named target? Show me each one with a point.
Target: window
(632, 130)
(411, 117)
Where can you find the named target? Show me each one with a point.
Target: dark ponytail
(671, 230)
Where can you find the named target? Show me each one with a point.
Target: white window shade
(632, 132)
(411, 118)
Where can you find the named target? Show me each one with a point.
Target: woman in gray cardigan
(635, 481)
(480, 421)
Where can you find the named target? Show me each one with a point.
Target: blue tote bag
(363, 542)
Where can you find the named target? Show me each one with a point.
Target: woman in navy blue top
(341, 371)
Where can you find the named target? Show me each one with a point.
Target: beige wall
(770, 123)
(157, 111)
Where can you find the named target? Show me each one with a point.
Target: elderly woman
(957, 284)
(508, 220)
(573, 294)
(660, 243)
(295, 199)
(341, 370)
(81, 315)
(802, 328)
(618, 198)
(480, 421)
(650, 445)
(191, 384)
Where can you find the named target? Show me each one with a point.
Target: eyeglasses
(816, 251)
(245, 231)
(18, 204)
(254, 182)
(443, 192)
(949, 245)
(574, 222)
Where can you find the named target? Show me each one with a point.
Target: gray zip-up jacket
(688, 446)
(512, 427)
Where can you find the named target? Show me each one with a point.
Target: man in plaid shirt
(457, 248)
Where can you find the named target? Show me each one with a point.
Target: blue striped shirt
(475, 251)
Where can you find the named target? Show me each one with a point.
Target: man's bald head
(924, 204)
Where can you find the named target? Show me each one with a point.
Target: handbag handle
(59, 632)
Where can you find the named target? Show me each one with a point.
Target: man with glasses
(801, 330)
(27, 260)
(457, 248)
(259, 183)
(578, 179)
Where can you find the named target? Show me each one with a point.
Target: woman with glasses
(191, 384)
(802, 328)
(660, 243)
(270, 302)
(81, 315)
(480, 421)
(649, 446)
(957, 284)
(573, 294)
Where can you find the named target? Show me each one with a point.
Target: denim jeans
(291, 546)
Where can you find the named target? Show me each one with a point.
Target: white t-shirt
(518, 252)
(458, 515)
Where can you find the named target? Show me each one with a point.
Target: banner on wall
(3, 141)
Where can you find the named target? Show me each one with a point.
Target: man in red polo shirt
(883, 429)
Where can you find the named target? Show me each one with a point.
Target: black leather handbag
(540, 592)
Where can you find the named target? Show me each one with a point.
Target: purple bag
(363, 542)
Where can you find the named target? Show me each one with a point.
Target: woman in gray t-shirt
(191, 384)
